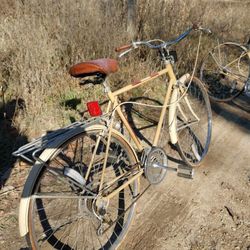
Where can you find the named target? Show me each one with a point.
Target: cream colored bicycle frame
(171, 97)
(171, 94)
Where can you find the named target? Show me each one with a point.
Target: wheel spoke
(63, 213)
(225, 71)
(194, 124)
(54, 195)
(56, 229)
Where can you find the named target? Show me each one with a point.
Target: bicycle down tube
(172, 81)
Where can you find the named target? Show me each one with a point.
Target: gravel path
(209, 212)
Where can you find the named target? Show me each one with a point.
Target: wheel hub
(100, 205)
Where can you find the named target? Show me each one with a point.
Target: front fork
(173, 105)
(172, 118)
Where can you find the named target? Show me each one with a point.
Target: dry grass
(40, 40)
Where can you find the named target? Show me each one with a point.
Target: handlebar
(162, 44)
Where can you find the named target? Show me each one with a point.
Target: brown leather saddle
(102, 67)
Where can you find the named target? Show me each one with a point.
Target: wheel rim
(194, 134)
(71, 223)
(225, 71)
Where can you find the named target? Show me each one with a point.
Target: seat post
(106, 86)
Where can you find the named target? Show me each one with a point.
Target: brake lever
(196, 26)
(205, 30)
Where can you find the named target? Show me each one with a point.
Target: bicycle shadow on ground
(150, 117)
(236, 111)
(10, 137)
(242, 102)
(71, 103)
(133, 114)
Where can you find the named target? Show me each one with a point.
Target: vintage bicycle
(225, 71)
(83, 187)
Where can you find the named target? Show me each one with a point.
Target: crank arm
(156, 165)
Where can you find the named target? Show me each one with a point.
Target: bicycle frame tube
(172, 81)
(237, 59)
(114, 104)
(107, 152)
(230, 63)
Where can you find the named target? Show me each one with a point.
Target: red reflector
(94, 108)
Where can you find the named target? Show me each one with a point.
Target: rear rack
(29, 151)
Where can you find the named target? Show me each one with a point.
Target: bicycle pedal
(185, 172)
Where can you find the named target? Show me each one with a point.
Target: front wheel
(64, 215)
(193, 122)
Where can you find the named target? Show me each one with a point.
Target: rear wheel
(65, 215)
(193, 122)
(225, 71)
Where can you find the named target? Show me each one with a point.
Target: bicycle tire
(193, 135)
(222, 81)
(46, 214)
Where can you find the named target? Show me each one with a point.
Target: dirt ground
(211, 211)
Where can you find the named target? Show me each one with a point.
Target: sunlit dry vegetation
(40, 40)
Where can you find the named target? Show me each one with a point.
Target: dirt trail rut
(212, 211)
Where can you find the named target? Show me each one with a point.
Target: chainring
(155, 156)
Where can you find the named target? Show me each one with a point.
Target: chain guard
(155, 156)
